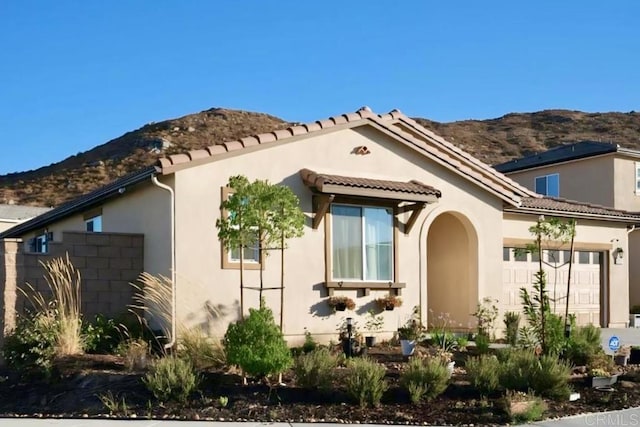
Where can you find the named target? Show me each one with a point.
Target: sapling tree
(259, 213)
(537, 309)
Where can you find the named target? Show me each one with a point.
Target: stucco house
(596, 172)
(11, 214)
(431, 222)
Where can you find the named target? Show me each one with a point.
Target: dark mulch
(81, 381)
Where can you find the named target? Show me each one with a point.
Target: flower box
(596, 382)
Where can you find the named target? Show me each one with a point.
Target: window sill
(365, 286)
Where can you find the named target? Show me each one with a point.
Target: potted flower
(410, 333)
(388, 302)
(341, 303)
(601, 378)
(372, 324)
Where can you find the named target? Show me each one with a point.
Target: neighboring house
(429, 221)
(11, 215)
(594, 172)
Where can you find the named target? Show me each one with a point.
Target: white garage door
(584, 294)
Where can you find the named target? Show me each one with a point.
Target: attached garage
(587, 291)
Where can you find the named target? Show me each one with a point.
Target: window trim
(225, 258)
(331, 283)
(637, 179)
(546, 177)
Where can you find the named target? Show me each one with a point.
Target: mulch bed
(82, 380)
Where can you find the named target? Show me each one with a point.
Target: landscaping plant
(425, 378)
(315, 369)
(29, 348)
(484, 373)
(257, 345)
(200, 350)
(486, 314)
(171, 379)
(101, 336)
(365, 381)
(512, 326)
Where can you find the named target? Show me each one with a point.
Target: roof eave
(557, 213)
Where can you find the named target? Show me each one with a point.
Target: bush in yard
(30, 346)
(425, 378)
(203, 352)
(315, 369)
(523, 370)
(583, 345)
(484, 373)
(101, 336)
(171, 378)
(365, 381)
(257, 345)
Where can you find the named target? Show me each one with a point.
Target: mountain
(492, 141)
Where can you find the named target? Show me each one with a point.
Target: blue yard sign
(614, 343)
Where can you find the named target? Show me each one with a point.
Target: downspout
(420, 262)
(157, 183)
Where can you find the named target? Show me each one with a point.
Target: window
(40, 243)
(362, 243)
(94, 224)
(506, 254)
(231, 256)
(583, 257)
(548, 185)
(637, 177)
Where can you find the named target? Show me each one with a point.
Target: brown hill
(493, 141)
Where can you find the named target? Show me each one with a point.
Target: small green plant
(486, 314)
(365, 381)
(256, 344)
(484, 373)
(310, 343)
(101, 336)
(413, 328)
(171, 378)
(512, 326)
(425, 379)
(29, 348)
(113, 404)
(482, 343)
(315, 369)
(523, 407)
(583, 345)
(462, 342)
(546, 375)
(552, 378)
(223, 401)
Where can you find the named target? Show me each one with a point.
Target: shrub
(315, 369)
(257, 345)
(200, 350)
(512, 325)
(101, 336)
(30, 346)
(555, 341)
(583, 345)
(425, 378)
(309, 342)
(171, 378)
(547, 375)
(523, 407)
(365, 381)
(484, 373)
(482, 343)
(552, 378)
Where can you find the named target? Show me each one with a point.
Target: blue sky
(76, 74)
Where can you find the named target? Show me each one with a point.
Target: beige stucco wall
(587, 180)
(6, 224)
(144, 209)
(625, 184)
(591, 234)
(203, 284)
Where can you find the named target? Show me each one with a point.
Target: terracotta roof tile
(317, 180)
(312, 127)
(216, 149)
(282, 133)
(198, 154)
(266, 137)
(250, 141)
(572, 206)
(233, 145)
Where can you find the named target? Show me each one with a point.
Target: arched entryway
(452, 270)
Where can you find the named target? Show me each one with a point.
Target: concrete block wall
(107, 262)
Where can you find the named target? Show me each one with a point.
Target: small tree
(262, 213)
(536, 307)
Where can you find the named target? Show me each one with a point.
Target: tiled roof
(412, 135)
(18, 212)
(318, 181)
(555, 204)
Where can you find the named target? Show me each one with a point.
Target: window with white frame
(548, 185)
(250, 253)
(638, 178)
(362, 243)
(40, 243)
(94, 224)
